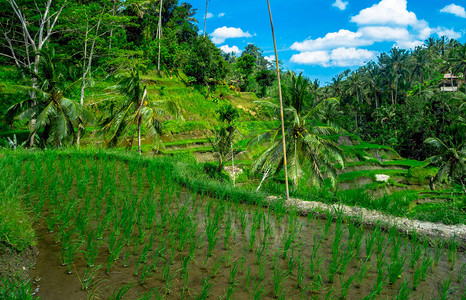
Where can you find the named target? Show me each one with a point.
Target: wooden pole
(205, 16)
(281, 106)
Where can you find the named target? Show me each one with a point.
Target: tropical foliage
(451, 160)
(136, 111)
(52, 115)
(307, 148)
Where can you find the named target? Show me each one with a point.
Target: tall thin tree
(159, 34)
(35, 36)
(205, 17)
(281, 105)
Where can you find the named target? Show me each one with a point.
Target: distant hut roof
(449, 76)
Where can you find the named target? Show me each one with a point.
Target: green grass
(364, 145)
(176, 126)
(354, 175)
(248, 127)
(404, 162)
(190, 150)
(186, 142)
(450, 213)
(15, 221)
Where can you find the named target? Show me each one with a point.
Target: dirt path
(369, 217)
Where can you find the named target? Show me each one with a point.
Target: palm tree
(307, 148)
(337, 86)
(224, 137)
(355, 86)
(397, 70)
(459, 60)
(137, 111)
(418, 64)
(451, 159)
(373, 81)
(315, 89)
(55, 114)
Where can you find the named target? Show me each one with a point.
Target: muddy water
(55, 283)
(178, 215)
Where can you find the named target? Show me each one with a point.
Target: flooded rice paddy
(111, 230)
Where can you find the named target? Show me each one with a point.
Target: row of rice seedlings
(118, 212)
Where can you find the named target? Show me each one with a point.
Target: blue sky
(323, 38)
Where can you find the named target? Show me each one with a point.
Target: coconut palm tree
(459, 60)
(55, 113)
(315, 89)
(418, 63)
(307, 149)
(355, 86)
(137, 111)
(336, 86)
(451, 159)
(397, 70)
(222, 143)
(373, 81)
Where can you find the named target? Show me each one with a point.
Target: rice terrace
(143, 157)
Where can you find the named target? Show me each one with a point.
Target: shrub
(421, 175)
(212, 171)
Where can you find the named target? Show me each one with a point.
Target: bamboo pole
(281, 106)
(205, 16)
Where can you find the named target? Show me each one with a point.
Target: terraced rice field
(114, 228)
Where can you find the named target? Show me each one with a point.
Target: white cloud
(312, 58)
(341, 5)
(347, 57)
(442, 31)
(221, 15)
(386, 12)
(423, 30)
(454, 9)
(386, 21)
(384, 33)
(228, 49)
(332, 40)
(209, 15)
(408, 44)
(270, 58)
(221, 34)
(339, 57)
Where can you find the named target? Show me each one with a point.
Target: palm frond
(437, 143)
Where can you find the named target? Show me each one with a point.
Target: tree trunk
(205, 17)
(141, 105)
(111, 27)
(159, 34)
(263, 178)
(33, 96)
(45, 30)
(356, 110)
(296, 171)
(139, 135)
(376, 99)
(86, 70)
(232, 161)
(393, 99)
(220, 164)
